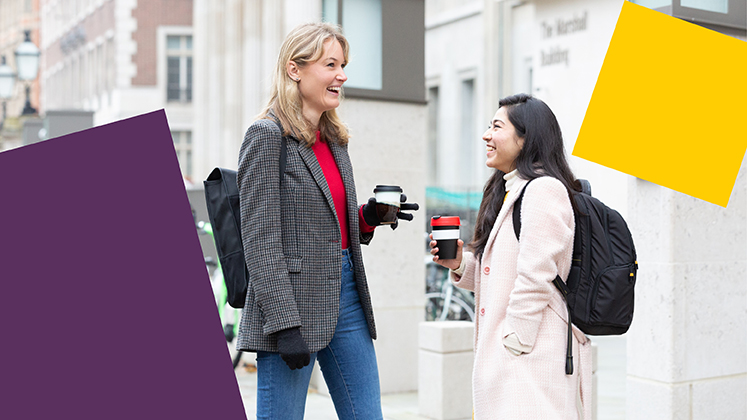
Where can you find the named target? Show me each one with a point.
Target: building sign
(560, 27)
(73, 39)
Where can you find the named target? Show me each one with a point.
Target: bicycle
(444, 301)
(229, 317)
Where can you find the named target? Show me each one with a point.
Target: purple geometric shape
(106, 309)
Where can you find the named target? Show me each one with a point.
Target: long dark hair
(542, 154)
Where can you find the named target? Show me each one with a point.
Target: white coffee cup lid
(387, 188)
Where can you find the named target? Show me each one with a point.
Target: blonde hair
(304, 45)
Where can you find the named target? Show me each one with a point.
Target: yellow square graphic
(670, 105)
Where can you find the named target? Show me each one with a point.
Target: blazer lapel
(507, 208)
(309, 158)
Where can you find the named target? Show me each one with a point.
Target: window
(329, 11)
(724, 13)
(718, 6)
(468, 146)
(387, 47)
(183, 147)
(362, 22)
(653, 4)
(179, 68)
(431, 163)
(111, 71)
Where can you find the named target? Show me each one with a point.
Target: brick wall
(151, 14)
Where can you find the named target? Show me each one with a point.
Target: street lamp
(7, 82)
(27, 60)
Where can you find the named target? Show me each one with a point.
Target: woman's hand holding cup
(452, 264)
(446, 247)
(386, 207)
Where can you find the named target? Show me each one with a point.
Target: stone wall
(687, 347)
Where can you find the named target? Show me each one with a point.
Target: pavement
(404, 406)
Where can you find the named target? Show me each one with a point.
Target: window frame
(433, 110)
(162, 61)
(736, 17)
(184, 150)
(403, 53)
(468, 132)
(183, 56)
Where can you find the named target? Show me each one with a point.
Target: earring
(298, 79)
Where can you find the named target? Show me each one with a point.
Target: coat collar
(507, 209)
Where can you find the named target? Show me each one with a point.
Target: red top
(337, 188)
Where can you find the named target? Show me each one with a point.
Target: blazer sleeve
(365, 237)
(467, 279)
(261, 232)
(547, 229)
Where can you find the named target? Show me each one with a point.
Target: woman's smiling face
(502, 143)
(320, 82)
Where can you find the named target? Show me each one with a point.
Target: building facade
(120, 58)
(457, 112)
(480, 51)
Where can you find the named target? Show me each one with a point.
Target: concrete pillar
(206, 108)
(231, 129)
(687, 347)
(445, 369)
(273, 25)
(386, 147)
(253, 101)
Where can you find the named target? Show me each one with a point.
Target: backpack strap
(283, 149)
(558, 282)
(585, 188)
(517, 210)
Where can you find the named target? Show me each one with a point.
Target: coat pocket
(294, 264)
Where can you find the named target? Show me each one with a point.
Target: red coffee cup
(445, 231)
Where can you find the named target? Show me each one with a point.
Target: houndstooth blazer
(291, 238)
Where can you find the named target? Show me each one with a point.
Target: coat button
(482, 311)
(486, 270)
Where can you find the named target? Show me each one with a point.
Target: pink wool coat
(514, 294)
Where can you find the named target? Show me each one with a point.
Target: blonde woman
(522, 322)
(308, 298)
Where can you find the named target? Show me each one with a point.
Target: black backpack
(222, 200)
(599, 290)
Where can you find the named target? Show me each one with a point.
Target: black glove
(372, 219)
(292, 348)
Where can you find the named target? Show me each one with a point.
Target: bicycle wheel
(457, 309)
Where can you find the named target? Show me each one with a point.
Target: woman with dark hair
(521, 326)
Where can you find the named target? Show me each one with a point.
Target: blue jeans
(348, 364)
